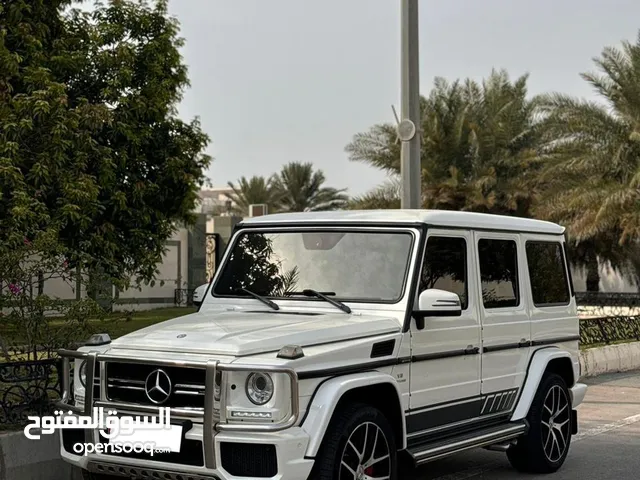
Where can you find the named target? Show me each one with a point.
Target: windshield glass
(347, 265)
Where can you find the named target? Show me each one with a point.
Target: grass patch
(118, 327)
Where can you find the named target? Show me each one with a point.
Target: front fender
(537, 367)
(327, 397)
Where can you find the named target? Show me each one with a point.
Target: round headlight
(83, 373)
(259, 388)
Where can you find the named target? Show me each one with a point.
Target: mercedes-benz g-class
(335, 345)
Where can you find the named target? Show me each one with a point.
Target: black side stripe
(475, 408)
(500, 348)
(551, 341)
(357, 368)
(384, 363)
(440, 355)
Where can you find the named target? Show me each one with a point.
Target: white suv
(334, 345)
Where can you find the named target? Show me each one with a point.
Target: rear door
(506, 326)
(553, 306)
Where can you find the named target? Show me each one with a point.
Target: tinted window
(445, 266)
(547, 273)
(499, 273)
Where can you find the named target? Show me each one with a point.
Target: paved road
(607, 446)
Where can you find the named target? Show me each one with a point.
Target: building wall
(173, 274)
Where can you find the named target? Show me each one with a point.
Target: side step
(488, 436)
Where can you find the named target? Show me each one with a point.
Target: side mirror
(437, 303)
(198, 294)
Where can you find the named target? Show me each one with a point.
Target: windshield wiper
(323, 295)
(264, 300)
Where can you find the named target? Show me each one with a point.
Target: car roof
(436, 218)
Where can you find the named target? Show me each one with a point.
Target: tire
(545, 446)
(342, 456)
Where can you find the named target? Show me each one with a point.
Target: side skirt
(434, 450)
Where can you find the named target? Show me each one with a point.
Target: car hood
(247, 333)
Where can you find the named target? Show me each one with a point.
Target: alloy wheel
(366, 454)
(556, 423)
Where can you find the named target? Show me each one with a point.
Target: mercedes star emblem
(157, 386)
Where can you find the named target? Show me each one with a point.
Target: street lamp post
(409, 127)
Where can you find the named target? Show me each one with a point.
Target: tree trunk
(593, 273)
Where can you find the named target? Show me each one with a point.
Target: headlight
(259, 388)
(82, 373)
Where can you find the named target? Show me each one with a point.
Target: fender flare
(324, 402)
(537, 367)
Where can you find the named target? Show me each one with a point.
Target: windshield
(350, 265)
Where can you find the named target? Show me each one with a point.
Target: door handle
(471, 350)
(524, 343)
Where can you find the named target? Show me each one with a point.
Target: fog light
(243, 414)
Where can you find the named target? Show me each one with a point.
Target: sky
(277, 81)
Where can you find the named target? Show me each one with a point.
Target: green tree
(477, 140)
(91, 147)
(592, 162)
(301, 189)
(385, 196)
(255, 190)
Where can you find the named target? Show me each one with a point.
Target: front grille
(249, 459)
(126, 384)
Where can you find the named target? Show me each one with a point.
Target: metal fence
(28, 388)
(183, 297)
(607, 318)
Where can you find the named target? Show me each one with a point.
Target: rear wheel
(359, 445)
(545, 446)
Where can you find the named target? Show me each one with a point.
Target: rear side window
(547, 273)
(499, 273)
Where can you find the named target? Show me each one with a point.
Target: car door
(506, 326)
(445, 368)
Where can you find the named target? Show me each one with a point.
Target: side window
(499, 273)
(547, 272)
(445, 266)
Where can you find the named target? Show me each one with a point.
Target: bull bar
(207, 417)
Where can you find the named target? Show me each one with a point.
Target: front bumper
(233, 453)
(214, 447)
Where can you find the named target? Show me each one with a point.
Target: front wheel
(545, 446)
(359, 445)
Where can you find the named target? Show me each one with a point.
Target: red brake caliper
(368, 471)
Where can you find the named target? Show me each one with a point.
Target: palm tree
(385, 196)
(256, 190)
(592, 152)
(300, 189)
(477, 140)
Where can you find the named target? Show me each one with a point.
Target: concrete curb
(24, 459)
(610, 359)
